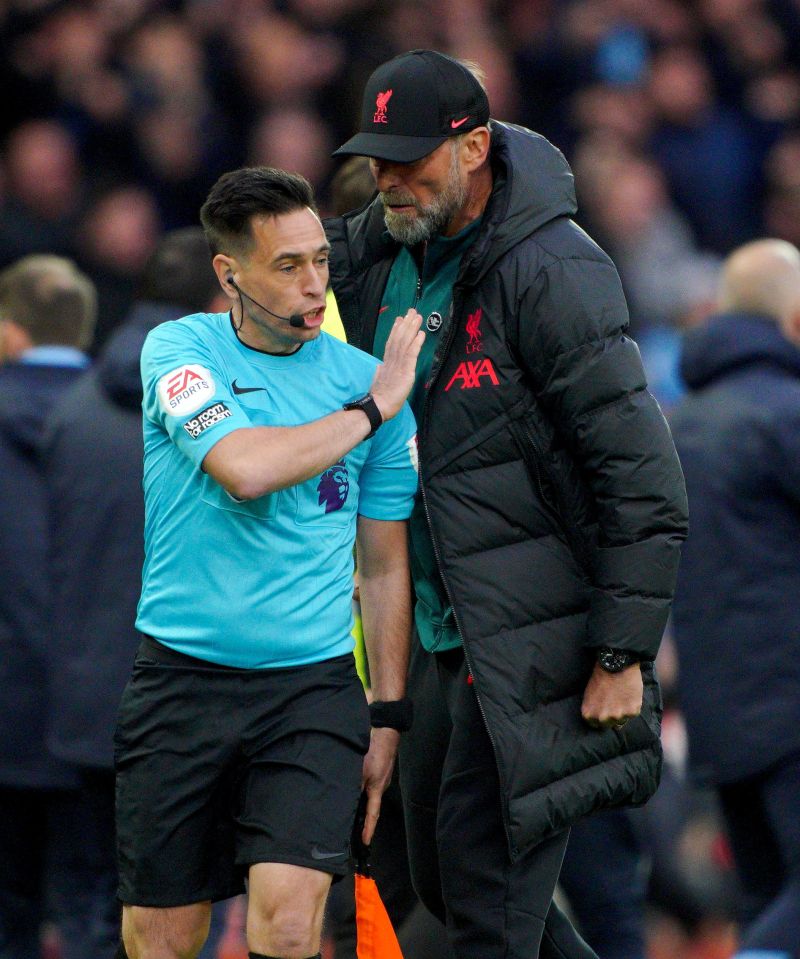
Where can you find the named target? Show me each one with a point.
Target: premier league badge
(433, 322)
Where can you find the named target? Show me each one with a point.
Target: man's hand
(394, 378)
(376, 774)
(611, 699)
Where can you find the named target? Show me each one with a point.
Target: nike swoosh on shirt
(455, 124)
(238, 390)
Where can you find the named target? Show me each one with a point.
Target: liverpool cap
(413, 103)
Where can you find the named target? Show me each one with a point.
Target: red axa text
(470, 374)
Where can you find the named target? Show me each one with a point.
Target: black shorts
(219, 768)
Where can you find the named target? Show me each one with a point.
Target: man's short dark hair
(240, 195)
(49, 298)
(179, 271)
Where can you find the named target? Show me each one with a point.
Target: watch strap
(367, 405)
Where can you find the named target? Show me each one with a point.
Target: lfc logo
(470, 373)
(380, 102)
(473, 327)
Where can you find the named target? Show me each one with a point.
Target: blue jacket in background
(94, 455)
(737, 606)
(27, 393)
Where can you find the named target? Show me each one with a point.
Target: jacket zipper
(420, 268)
(441, 353)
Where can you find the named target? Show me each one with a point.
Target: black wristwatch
(392, 714)
(615, 660)
(370, 407)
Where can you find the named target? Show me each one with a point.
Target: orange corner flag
(376, 937)
(374, 930)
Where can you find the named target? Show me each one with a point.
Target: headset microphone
(296, 320)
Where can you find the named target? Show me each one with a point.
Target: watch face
(614, 660)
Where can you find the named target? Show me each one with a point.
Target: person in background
(43, 191)
(47, 315)
(92, 456)
(545, 541)
(737, 606)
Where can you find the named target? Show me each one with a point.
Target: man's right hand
(394, 378)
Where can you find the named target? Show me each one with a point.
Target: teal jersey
(268, 582)
(431, 292)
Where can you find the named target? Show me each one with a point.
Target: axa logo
(380, 103)
(333, 487)
(470, 373)
(474, 344)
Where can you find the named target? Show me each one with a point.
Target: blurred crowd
(681, 120)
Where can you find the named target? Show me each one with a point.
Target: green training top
(429, 290)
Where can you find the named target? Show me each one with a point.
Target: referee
(244, 739)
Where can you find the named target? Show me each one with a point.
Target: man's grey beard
(430, 220)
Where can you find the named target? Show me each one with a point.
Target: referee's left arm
(385, 587)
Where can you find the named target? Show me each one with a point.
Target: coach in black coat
(556, 500)
(551, 493)
(737, 606)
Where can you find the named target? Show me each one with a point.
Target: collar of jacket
(533, 185)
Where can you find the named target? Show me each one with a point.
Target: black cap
(413, 103)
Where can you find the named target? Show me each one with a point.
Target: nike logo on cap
(238, 390)
(455, 124)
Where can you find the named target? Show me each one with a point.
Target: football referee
(244, 737)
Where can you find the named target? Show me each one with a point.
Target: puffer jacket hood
(533, 185)
(117, 368)
(733, 340)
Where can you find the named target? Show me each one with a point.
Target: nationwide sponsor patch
(185, 389)
(413, 452)
(205, 419)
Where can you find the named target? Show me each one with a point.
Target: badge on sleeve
(413, 452)
(185, 389)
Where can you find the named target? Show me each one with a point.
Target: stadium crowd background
(680, 119)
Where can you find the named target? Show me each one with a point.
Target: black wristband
(397, 714)
(367, 405)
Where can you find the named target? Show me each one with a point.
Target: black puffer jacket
(554, 495)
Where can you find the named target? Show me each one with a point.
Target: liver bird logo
(381, 102)
(473, 328)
